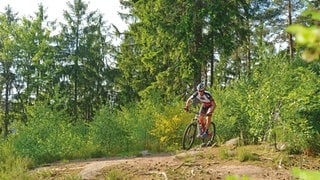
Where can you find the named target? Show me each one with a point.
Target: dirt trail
(198, 163)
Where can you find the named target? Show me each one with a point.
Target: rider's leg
(201, 122)
(202, 114)
(207, 126)
(208, 122)
(209, 116)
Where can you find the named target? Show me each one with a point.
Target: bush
(280, 100)
(12, 166)
(109, 132)
(48, 136)
(169, 126)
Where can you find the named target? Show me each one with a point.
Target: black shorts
(206, 110)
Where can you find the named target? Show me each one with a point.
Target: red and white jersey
(206, 99)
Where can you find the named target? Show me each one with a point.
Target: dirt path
(198, 163)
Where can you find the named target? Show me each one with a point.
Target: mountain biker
(207, 108)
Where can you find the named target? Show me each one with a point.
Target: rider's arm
(189, 102)
(214, 105)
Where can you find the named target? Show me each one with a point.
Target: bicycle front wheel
(189, 136)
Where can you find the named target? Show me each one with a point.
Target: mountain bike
(192, 129)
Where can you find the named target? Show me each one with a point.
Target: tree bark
(290, 35)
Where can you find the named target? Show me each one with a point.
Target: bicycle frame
(195, 127)
(200, 125)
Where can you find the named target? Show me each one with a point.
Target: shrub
(49, 136)
(12, 166)
(280, 100)
(169, 126)
(109, 132)
(244, 155)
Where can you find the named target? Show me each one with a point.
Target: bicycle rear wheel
(189, 136)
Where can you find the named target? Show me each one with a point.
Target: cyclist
(207, 107)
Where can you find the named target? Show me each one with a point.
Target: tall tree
(157, 46)
(8, 23)
(169, 44)
(33, 60)
(227, 31)
(83, 64)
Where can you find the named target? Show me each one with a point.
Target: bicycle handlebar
(194, 112)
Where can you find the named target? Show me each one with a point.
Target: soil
(246, 162)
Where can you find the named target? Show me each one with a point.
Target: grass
(115, 175)
(225, 153)
(244, 155)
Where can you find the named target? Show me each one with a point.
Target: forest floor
(245, 162)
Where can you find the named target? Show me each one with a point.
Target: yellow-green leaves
(308, 37)
(305, 35)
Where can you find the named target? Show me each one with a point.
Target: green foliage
(141, 118)
(308, 36)
(279, 103)
(235, 177)
(229, 115)
(169, 126)
(244, 155)
(116, 174)
(12, 165)
(83, 74)
(109, 132)
(225, 153)
(144, 125)
(301, 110)
(49, 136)
(305, 174)
(245, 109)
(168, 53)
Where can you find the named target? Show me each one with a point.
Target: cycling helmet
(201, 87)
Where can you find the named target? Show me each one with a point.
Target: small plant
(44, 174)
(116, 174)
(12, 166)
(244, 155)
(226, 153)
(48, 174)
(189, 159)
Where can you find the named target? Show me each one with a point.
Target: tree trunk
(198, 67)
(212, 67)
(290, 35)
(6, 113)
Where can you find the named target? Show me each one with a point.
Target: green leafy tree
(169, 44)
(83, 69)
(33, 56)
(308, 37)
(8, 23)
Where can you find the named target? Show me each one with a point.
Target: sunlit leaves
(305, 35)
(280, 98)
(308, 37)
